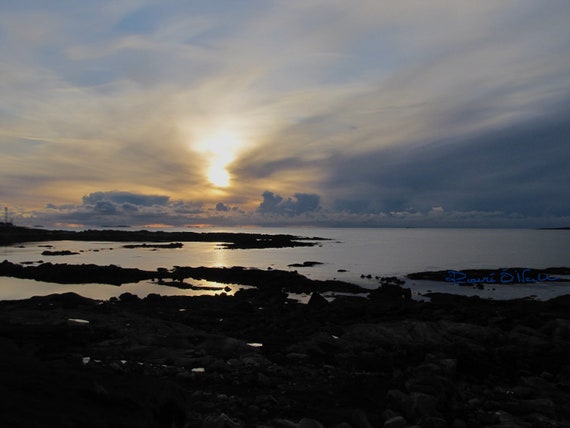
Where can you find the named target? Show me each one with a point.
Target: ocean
(348, 254)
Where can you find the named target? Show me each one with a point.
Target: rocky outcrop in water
(89, 273)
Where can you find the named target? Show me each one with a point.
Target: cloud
(220, 206)
(370, 107)
(273, 211)
(125, 198)
(517, 169)
(301, 203)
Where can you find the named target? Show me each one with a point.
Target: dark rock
(563, 377)
(458, 423)
(433, 422)
(225, 347)
(219, 421)
(128, 298)
(448, 366)
(218, 366)
(389, 414)
(309, 423)
(65, 300)
(305, 264)
(155, 246)
(399, 401)
(543, 406)
(395, 422)
(390, 291)
(317, 301)
(283, 423)
(360, 420)
(59, 253)
(422, 405)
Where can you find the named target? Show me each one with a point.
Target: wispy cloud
(344, 100)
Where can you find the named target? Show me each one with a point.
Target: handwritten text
(504, 276)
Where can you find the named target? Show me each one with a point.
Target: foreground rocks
(257, 359)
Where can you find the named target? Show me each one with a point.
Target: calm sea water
(378, 252)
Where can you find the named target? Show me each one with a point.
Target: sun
(220, 149)
(219, 176)
(218, 146)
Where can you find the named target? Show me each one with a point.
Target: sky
(360, 113)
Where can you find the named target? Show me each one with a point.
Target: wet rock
(59, 253)
(305, 264)
(433, 422)
(219, 366)
(296, 356)
(65, 300)
(448, 366)
(564, 376)
(506, 419)
(389, 414)
(422, 405)
(128, 298)
(255, 360)
(426, 369)
(458, 423)
(529, 337)
(219, 421)
(360, 420)
(390, 291)
(543, 406)
(487, 418)
(538, 420)
(561, 329)
(471, 332)
(283, 423)
(225, 347)
(399, 401)
(317, 301)
(395, 422)
(309, 423)
(435, 385)
(319, 345)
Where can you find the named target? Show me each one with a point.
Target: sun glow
(220, 148)
(219, 176)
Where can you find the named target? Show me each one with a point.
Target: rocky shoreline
(13, 235)
(64, 273)
(258, 359)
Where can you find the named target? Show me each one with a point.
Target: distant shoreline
(14, 235)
